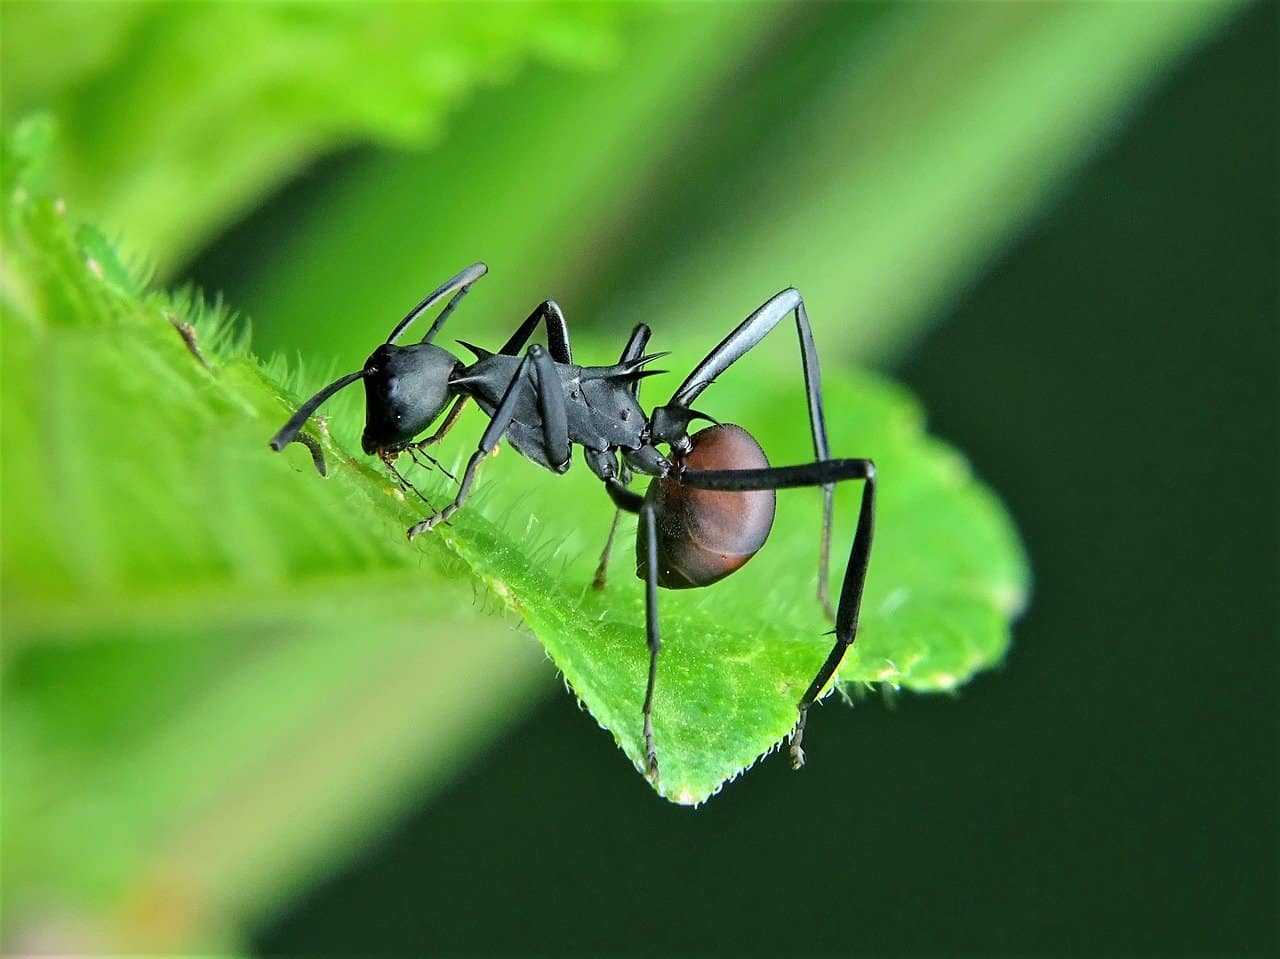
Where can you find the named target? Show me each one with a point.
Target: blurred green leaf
(180, 605)
(876, 156)
(539, 180)
(177, 118)
(926, 137)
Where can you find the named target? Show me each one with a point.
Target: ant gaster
(710, 504)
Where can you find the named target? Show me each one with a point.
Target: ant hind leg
(820, 473)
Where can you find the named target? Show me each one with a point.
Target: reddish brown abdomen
(704, 535)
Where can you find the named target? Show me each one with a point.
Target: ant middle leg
(626, 500)
(549, 313)
(418, 455)
(389, 461)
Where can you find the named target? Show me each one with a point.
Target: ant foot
(426, 526)
(430, 523)
(651, 768)
(797, 734)
(650, 752)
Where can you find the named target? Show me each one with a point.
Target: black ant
(710, 505)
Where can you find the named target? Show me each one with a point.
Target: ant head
(406, 388)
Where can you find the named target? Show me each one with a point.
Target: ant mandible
(710, 504)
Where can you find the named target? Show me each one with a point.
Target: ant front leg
(821, 473)
(537, 372)
(389, 461)
(418, 455)
(420, 447)
(450, 420)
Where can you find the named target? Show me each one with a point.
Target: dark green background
(1113, 788)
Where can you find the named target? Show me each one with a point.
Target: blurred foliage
(219, 675)
(872, 155)
(179, 117)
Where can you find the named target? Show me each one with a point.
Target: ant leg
(555, 418)
(389, 461)
(417, 454)
(855, 577)
(602, 568)
(624, 500)
(557, 342)
(532, 373)
(630, 353)
(648, 524)
(548, 312)
(450, 421)
(820, 473)
(737, 344)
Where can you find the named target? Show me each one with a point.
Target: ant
(710, 504)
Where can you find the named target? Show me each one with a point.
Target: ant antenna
(459, 286)
(289, 432)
